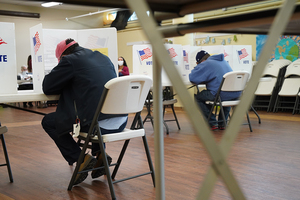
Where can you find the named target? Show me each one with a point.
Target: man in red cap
(79, 79)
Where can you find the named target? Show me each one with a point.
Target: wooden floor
(265, 162)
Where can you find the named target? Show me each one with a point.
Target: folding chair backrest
(290, 87)
(273, 68)
(126, 94)
(235, 81)
(293, 68)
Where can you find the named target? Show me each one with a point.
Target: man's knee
(48, 121)
(44, 122)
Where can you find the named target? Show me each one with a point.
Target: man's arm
(58, 78)
(200, 74)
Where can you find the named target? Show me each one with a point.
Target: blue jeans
(68, 147)
(206, 95)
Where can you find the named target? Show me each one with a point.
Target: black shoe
(88, 163)
(30, 104)
(100, 172)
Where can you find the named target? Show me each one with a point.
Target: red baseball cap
(61, 47)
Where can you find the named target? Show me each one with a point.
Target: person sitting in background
(29, 64)
(210, 71)
(24, 73)
(123, 69)
(27, 85)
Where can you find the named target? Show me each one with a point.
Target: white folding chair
(3, 129)
(287, 96)
(133, 91)
(231, 82)
(168, 101)
(293, 69)
(290, 88)
(270, 84)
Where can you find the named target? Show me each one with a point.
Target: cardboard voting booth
(239, 57)
(143, 61)
(44, 42)
(8, 74)
(37, 57)
(103, 40)
(184, 58)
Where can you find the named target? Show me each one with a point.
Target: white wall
(50, 18)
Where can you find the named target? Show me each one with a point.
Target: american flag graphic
(95, 42)
(36, 42)
(225, 54)
(2, 42)
(172, 52)
(185, 56)
(242, 53)
(145, 53)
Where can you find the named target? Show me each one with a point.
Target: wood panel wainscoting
(265, 162)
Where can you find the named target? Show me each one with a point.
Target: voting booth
(103, 40)
(239, 57)
(8, 70)
(143, 61)
(43, 44)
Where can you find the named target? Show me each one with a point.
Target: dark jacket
(78, 78)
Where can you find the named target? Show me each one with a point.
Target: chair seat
(169, 102)
(225, 103)
(124, 135)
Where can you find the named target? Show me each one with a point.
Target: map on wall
(286, 48)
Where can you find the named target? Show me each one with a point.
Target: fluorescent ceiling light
(50, 4)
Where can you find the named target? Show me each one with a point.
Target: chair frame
(296, 106)
(148, 104)
(94, 135)
(218, 102)
(292, 72)
(272, 98)
(279, 101)
(173, 110)
(169, 101)
(3, 129)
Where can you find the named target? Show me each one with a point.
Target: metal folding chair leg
(259, 120)
(249, 122)
(79, 162)
(172, 106)
(174, 114)
(296, 105)
(6, 159)
(149, 159)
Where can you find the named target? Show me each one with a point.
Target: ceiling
(251, 23)
(63, 6)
